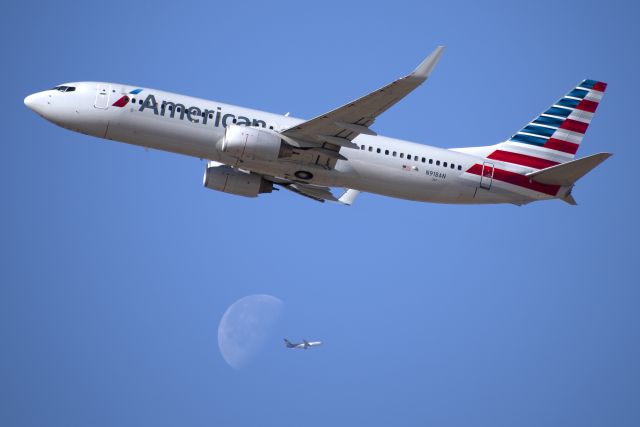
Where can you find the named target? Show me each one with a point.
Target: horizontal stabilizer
(568, 173)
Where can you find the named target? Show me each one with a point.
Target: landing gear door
(102, 96)
(487, 176)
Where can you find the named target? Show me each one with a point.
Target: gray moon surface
(246, 326)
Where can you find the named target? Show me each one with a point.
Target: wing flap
(315, 192)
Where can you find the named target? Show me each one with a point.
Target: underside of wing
(315, 192)
(318, 193)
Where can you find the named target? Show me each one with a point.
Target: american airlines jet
(249, 151)
(305, 345)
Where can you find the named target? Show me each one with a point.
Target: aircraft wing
(315, 192)
(337, 128)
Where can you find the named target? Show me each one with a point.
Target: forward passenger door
(102, 96)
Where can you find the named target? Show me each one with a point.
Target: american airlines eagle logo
(124, 99)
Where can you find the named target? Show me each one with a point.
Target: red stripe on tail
(560, 145)
(574, 126)
(521, 159)
(600, 86)
(586, 105)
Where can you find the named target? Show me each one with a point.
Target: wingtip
(603, 156)
(423, 71)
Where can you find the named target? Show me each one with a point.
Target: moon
(246, 326)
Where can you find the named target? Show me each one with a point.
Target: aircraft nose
(36, 102)
(30, 100)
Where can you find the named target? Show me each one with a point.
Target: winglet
(349, 197)
(423, 71)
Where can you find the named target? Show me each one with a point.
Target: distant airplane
(304, 344)
(249, 151)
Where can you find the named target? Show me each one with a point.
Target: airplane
(303, 345)
(251, 152)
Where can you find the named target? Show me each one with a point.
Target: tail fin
(287, 343)
(555, 135)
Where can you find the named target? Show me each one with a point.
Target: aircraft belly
(374, 178)
(409, 183)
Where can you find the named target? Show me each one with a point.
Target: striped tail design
(555, 135)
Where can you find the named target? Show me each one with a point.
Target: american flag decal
(409, 168)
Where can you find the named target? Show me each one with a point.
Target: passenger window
(386, 152)
(211, 116)
(133, 100)
(370, 148)
(408, 156)
(140, 101)
(459, 167)
(394, 154)
(444, 164)
(71, 89)
(437, 162)
(430, 161)
(453, 166)
(235, 120)
(362, 147)
(378, 151)
(402, 155)
(424, 160)
(271, 127)
(177, 109)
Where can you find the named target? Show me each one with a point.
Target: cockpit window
(64, 88)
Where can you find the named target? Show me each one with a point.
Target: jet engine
(229, 180)
(249, 143)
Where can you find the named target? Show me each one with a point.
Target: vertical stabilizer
(555, 135)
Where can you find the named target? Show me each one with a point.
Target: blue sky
(117, 264)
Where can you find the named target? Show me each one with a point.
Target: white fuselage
(307, 345)
(191, 126)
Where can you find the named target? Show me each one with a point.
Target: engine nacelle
(249, 143)
(229, 180)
